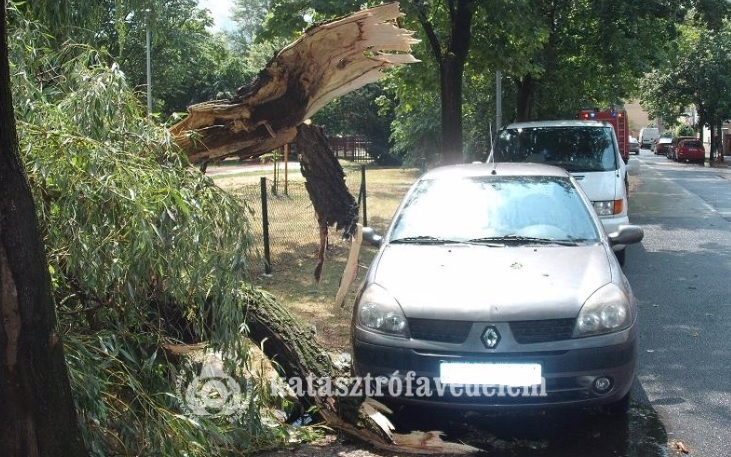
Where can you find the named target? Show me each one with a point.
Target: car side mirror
(371, 237)
(627, 234)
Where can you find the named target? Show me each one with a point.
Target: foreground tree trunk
(37, 416)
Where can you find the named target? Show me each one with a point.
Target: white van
(648, 136)
(586, 149)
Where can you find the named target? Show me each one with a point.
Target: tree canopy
(555, 58)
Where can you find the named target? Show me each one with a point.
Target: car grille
(443, 331)
(526, 332)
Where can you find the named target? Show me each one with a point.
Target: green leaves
(693, 75)
(143, 251)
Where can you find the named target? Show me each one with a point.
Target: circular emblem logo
(212, 393)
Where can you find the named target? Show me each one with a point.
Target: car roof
(477, 169)
(664, 139)
(558, 123)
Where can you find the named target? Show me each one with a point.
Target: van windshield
(574, 148)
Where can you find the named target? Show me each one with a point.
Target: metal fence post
(363, 194)
(265, 225)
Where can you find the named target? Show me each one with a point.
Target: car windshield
(575, 148)
(495, 211)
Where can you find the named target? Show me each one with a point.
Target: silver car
(495, 286)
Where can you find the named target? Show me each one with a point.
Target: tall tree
(37, 416)
(693, 77)
(447, 27)
(583, 61)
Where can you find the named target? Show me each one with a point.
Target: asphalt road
(681, 274)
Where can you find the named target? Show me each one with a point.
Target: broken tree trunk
(299, 355)
(326, 62)
(325, 183)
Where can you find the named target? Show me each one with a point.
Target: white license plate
(505, 374)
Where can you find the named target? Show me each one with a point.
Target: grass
(292, 280)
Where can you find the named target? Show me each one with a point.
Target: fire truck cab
(618, 118)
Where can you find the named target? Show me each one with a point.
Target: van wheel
(621, 256)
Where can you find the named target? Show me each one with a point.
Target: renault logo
(490, 337)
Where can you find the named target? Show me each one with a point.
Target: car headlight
(607, 310)
(608, 208)
(379, 311)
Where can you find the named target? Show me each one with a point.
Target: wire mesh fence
(290, 225)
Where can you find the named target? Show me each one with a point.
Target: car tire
(621, 256)
(617, 409)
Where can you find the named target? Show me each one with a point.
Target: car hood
(476, 283)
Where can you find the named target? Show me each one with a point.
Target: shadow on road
(549, 433)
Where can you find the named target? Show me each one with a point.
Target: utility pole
(149, 65)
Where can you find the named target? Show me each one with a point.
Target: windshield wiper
(494, 242)
(524, 239)
(424, 239)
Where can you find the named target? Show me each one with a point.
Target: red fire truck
(618, 118)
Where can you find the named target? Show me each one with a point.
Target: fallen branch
(326, 62)
(298, 354)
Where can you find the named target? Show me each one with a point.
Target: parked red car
(662, 146)
(690, 150)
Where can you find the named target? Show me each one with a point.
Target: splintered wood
(326, 62)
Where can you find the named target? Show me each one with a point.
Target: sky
(221, 12)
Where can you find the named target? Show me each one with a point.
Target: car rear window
(691, 143)
(574, 148)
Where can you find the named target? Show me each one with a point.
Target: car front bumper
(568, 374)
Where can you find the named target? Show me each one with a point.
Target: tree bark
(451, 56)
(451, 86)
(325, 184)
(37, 416)
(526, 86)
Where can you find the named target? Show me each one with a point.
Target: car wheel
(618, 408)
(621, 256)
